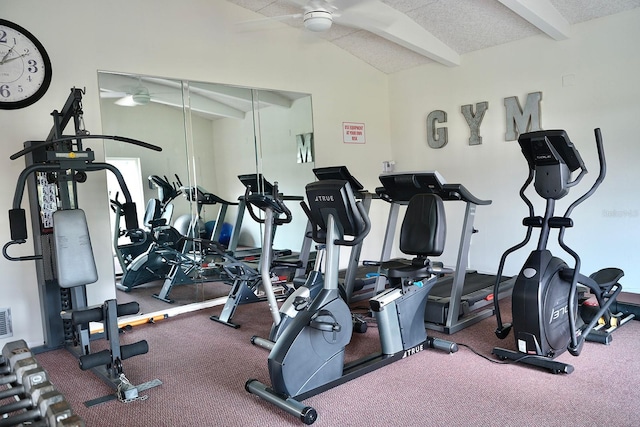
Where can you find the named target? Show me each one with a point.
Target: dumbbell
(29, 381)
(11, 353)
(50, 406)
(30, 397)
(26, 372)
(72, 421)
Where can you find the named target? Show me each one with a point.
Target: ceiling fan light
(141, 98)
(318, 20)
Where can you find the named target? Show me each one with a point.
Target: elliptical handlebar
(503, 329)
(601, 175)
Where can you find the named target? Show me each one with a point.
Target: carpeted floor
(203, 366)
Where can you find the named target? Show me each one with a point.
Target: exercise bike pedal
(359, 324)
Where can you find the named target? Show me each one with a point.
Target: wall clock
(25, 67)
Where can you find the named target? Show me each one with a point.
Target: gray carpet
(203, 366)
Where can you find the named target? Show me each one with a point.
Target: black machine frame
(62, 162)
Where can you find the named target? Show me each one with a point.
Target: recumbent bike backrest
(424, 228)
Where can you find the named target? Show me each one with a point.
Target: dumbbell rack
(35, 400)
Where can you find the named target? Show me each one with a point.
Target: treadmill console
(257, 183)
(401, 187)
(338, 172)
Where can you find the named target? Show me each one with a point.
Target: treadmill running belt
(476, 286)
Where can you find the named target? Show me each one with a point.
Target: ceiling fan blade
(266, 23)
(398, 28)
(362, 14)
(126, 101)
(112, 94)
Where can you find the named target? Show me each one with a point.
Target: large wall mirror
(210, 134)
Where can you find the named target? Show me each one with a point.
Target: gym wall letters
(517, 120)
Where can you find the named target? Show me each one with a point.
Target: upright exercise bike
(545, 295)
(308, 358)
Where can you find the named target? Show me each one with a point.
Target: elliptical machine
(308, 358)
(545, 294)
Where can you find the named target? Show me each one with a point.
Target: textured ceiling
(454, 27)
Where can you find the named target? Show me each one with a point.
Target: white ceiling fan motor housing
(317, 20)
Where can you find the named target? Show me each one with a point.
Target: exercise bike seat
(423, 233)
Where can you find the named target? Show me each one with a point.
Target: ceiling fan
(373, 16)
(138, 95)
(319, 15)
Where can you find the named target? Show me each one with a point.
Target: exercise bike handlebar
(267, 202)
(365, 231)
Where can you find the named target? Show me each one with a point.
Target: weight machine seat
(75, 264)
(152, 211)
(423, 233)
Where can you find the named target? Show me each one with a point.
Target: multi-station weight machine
(62, 248)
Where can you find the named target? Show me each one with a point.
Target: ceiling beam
(389, 23)
(243, 93)
(543, 15)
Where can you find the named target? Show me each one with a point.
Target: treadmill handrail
(460, 192)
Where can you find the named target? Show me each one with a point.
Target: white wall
(191, 39)
(599, 66)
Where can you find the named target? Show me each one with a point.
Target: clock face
(25, 68)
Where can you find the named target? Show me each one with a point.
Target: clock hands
(4, 59)
(7, 54)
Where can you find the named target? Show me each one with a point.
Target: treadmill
(456, 299)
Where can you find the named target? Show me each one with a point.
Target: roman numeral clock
(25, 67)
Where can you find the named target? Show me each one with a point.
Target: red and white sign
(353, 133)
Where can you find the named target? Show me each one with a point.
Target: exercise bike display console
(547, 315)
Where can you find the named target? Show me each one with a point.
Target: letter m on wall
(519, 120)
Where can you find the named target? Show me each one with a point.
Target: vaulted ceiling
(393, 35)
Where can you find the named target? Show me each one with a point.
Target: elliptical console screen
(547, 147)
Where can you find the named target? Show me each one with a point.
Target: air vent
(6, 330)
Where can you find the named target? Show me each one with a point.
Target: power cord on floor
(498, 362)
